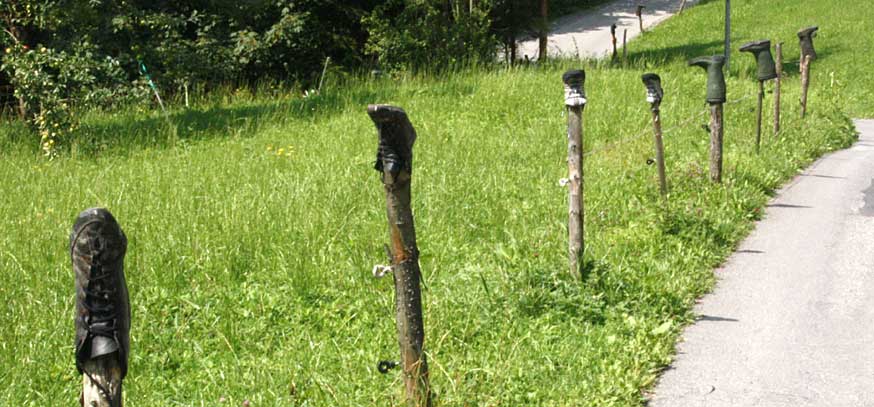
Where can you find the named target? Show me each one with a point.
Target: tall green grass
(249, 270)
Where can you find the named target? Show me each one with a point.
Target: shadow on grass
(123, 133)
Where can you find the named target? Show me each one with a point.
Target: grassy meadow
(254, 219)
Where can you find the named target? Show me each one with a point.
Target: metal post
(727, 34)
(777, 83)
(759, 116)
(575, 100)
(394, 160)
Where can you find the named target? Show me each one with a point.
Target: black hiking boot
(97, 249)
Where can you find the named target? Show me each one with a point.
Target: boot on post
(102, 320)
(715, 78)
(766, 69)
(805, 38)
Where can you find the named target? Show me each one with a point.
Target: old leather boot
(805, 39)
(97, 249)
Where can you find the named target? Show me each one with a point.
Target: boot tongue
(102, 345)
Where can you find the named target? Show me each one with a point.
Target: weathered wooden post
(613, 34)
(654, 94)
(682, 7)
(394, 159)
(625, 46)
(639, 13)
(102, 320)
(575, 100)
(766, 70)
(777, 86)
(805, 83)
(808, 54)
(715, 98)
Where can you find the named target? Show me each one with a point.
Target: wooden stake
(805, 83)
(613, 35)
(394, 160)
(640, 16)
(660, 148)
(186, 94)
(716, 130)
(777, 82)
(759, 116)
(575, 101)
(682, 7)
(106, 374)
(624, 48)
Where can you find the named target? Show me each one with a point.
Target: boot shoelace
(101, 319)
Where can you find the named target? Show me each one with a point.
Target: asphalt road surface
(587, 33)
(791, 321)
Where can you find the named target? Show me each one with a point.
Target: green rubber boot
(715, 78)
(766, 68)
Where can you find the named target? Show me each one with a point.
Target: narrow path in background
(587, 33)
(791, 321)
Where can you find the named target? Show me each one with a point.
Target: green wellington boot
(715, 78)
(766, 68)
(574, 87)
(653, 83)
(805, 38)
(97, 250)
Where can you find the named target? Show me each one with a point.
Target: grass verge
(249, 267)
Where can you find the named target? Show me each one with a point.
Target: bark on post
(759, 116)
(107, 375)
(394, 160)
(575, 100)
(654, 94)
(716, 132)
(624, 46)
(805, 83)
(779, 51)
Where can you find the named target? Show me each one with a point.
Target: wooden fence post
(394, 160)
(654, 94)
(613, 35)
(779, 51)
(716, 135)
(715, 98)
(765, 70)
(639, 13)
(805, 83)
(102, 319)
(682, 7)
(575, 100)
(625, 46)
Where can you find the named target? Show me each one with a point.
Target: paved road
(791, 322)
(589, 31)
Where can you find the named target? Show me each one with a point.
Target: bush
(430, 34)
